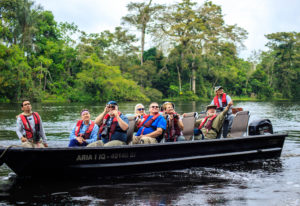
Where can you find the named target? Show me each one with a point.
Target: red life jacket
(88, 132)
(173, 133)
(148, 123)
(27, 127)
(224, 101)
(113, 125)
(208, 126)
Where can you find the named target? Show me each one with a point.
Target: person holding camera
(139, 112)
(84, 132)
(113, 127)
(151, 128)
(221, 100)
(174, 123)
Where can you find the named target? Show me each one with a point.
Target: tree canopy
(194, 51)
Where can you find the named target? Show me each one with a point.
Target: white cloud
(258, 17)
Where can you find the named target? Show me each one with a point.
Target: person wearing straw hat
(211, 125)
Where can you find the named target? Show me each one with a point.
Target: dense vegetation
(195, 51)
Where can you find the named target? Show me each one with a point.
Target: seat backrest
(240, 124)
(131, 128)
(236, 109)
(189, 124)
(201, 115)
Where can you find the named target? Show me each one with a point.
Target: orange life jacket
(148, 123)
(113, 125)
(208, 126)
(224, 101)
(27, 127)
(88, 132)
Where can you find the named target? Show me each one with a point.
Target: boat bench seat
(240, 124)
(131, 127)
(189, 123)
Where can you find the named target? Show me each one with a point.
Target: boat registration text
(103, 156)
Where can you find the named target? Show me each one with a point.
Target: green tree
(99, 82)
(20, 18)
(199, 35)
(15, 75)
(141, 17)
(285, 47)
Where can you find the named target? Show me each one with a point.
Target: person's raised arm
(100, 117)
(121, 122)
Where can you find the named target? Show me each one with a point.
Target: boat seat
(131, 127)
(201, 115)
(236, 110)
(189, 124)
(240, 124)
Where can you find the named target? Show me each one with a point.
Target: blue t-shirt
(119, 134)
(160, 122)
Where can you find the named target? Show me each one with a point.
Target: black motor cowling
(259, 127)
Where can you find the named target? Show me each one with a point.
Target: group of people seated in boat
(110, 127)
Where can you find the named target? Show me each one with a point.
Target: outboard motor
(260, 127)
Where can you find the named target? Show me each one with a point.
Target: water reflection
(265, 182)
(164, 188)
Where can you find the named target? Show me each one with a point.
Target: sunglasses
(155, 107)
(111, 106)
(140, 109)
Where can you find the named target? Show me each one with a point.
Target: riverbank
(62, 99)
(234, 98)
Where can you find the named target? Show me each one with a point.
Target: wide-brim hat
(218, 87)
(211, 106)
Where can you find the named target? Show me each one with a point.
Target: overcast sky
(258, 17)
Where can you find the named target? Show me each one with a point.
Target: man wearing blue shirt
(113, 127)
(221, 100)
(151, 128)
(84, 132)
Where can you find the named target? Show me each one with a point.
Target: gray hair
(136, 107)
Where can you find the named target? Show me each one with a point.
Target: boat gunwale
(165, 144)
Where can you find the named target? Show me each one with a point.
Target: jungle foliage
(194, 51)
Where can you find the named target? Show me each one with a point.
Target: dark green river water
(264, 182)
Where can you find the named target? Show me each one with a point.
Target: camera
(104, 133)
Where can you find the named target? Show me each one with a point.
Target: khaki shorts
(112, 143)
(143, 140)
(30, 144)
